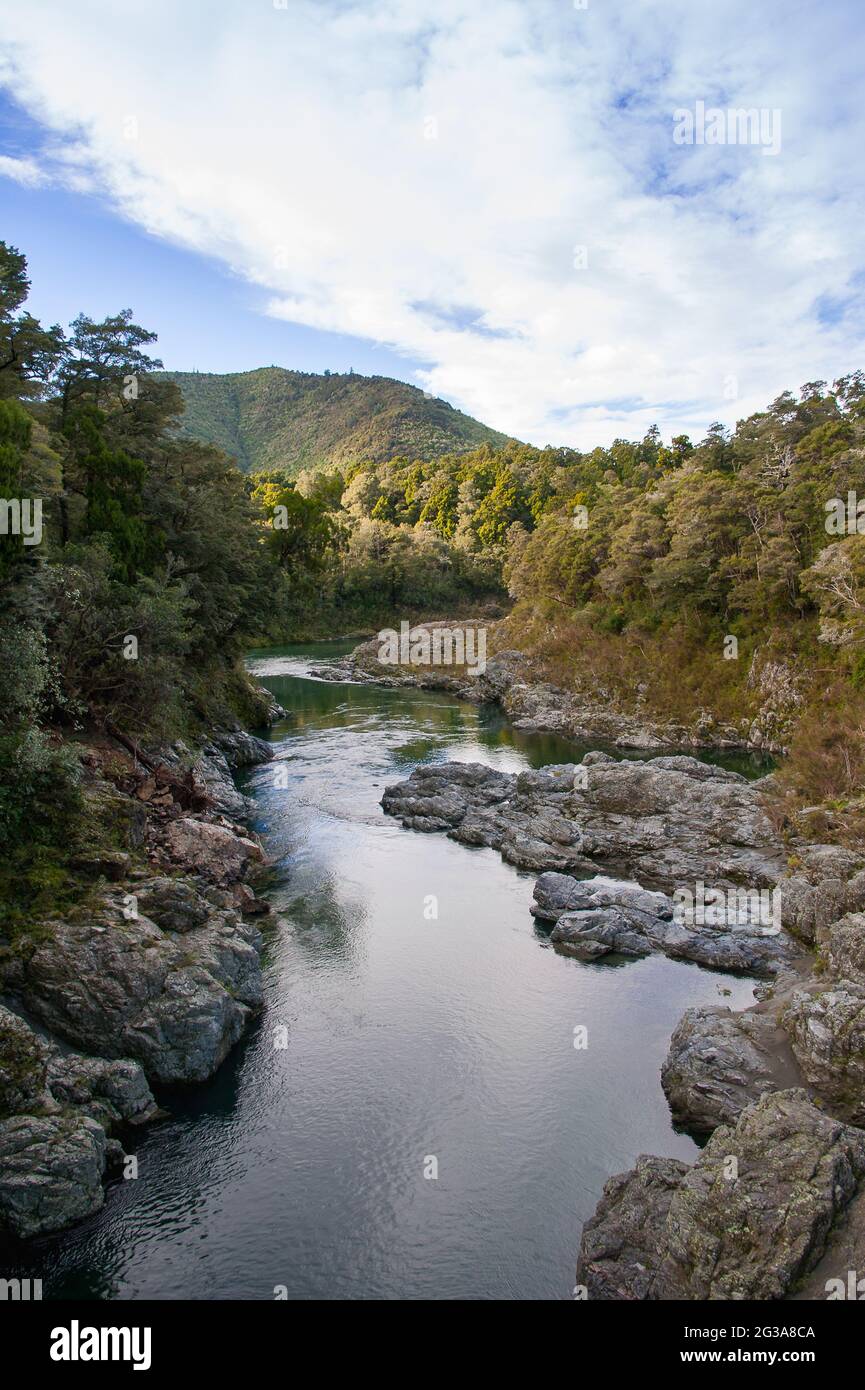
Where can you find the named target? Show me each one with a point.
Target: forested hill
(275, 418)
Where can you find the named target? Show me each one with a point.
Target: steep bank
(513, 680)
(148, 981)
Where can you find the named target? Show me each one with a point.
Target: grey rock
(594, 918)
(663, 822)
(827, 1034)
(719, 1062)
(825, 1020)
(23, 1064)
(241, 749)
(175, 904)
(216, 852)
(125, 989)
(110, 1091)
(213, 774)
(51, 1171)
(622, 1243)
(756, 1235)
(828, 882)
(749, 1220)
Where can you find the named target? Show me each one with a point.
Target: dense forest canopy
(272, 417)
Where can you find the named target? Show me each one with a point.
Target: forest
(625, 570)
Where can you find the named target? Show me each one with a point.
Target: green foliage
(274, 418)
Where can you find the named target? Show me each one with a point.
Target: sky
(536, 209)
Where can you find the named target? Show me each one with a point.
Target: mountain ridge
(276, 417)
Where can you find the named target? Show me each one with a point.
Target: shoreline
(540, 707)
(777, 1089)
(149, 981)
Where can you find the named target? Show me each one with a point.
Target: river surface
(408, 1037)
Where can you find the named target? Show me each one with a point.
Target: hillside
(273, 417)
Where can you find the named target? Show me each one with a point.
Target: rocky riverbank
(148, 981)
(776, 1199)
(511, 680)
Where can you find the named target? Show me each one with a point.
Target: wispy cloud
(494, 190)
(23, 171)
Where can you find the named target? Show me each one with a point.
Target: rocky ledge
(149, 981)
(765, 1206)
(510, 679)
(663, 821)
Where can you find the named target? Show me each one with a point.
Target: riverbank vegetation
(704, 582)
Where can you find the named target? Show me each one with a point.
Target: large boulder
(826, 882)
(749, 1220)
(51, 1169)
(719, 1062)
(827, 1033)
(173, 903)
(825, 1019)
(663, 821)
(213, 774)
(123, 988)
(216, 852)
(621, 1246)
(241, 749)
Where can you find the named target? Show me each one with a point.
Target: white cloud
(23, 171)
(423, 172)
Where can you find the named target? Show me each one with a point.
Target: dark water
(408, 1038)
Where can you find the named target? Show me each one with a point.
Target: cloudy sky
(483, 197)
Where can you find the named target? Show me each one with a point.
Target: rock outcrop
(150, 980)
(59, 1110)
(123, 987)
(599, 917)
(719, 1062)
(663, 822)
(749, 1220)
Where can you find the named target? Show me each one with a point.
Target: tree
(28, 353)
(102, 358)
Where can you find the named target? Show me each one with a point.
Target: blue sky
(491, 202)
(83, 257)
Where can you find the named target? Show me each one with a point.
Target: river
(408, 1037)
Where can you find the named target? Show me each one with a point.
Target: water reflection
(406, 1035)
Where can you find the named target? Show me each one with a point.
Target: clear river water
(407, 1037)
